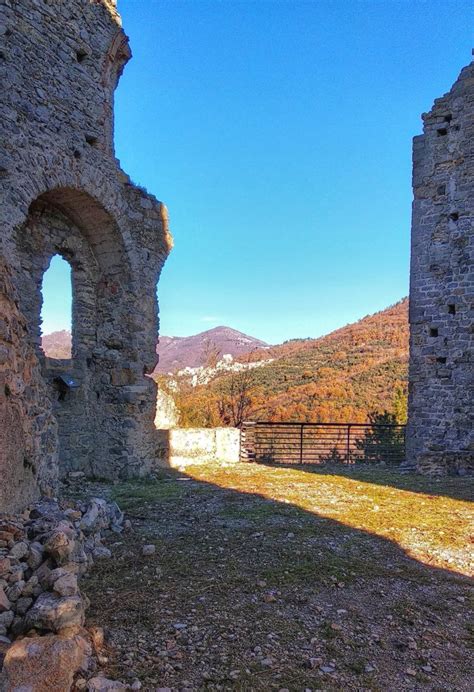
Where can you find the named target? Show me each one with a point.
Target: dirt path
(279, 579)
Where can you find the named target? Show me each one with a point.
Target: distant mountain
(57, 344)
(178, 352)
(359, 368)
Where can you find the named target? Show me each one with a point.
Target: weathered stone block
(52, 612)
(4, 602)
(42, 664)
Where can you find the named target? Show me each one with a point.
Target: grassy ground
(274, 578)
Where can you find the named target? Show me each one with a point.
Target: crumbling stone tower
(440, 431)
(62, 192)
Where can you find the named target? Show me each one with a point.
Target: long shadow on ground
(248, 593)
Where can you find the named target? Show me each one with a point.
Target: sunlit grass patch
(435, 528)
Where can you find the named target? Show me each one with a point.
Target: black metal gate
(320, 443)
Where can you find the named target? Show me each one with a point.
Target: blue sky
(279, 136)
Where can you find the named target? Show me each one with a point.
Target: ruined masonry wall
(189, 446)
(28, 449)
(441, 394)
(62, 192)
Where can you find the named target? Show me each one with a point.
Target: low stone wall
(186, 446)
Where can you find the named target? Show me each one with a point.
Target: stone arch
(69, 223)
(94, 221)
(89, 200)
(47, 233)
(75, 226)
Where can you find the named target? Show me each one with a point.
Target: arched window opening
(56, 309)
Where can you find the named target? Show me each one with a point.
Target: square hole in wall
(81, 55)
(442, 132)
(448, 118)
(454, 216)
(451, 309)
(441, 360)
(433, 331)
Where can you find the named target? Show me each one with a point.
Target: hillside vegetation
(344, 376)
(340, 377)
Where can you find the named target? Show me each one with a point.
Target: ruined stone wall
(28, 449)
(62, 192)
(183, 447)
(441, 395)
(167, 413)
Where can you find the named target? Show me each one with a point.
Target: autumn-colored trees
(342, 377)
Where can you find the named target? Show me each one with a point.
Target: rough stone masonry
(441, 394)
(62, 192)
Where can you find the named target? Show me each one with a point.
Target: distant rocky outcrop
(204, 374)
(57, 344)
(178, 352)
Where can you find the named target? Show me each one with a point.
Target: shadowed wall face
(63, 192)
(440, 431)
(28, 430)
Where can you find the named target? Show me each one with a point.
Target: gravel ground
(288, 579)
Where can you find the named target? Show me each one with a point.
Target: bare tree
(211, 354)
(236, 401)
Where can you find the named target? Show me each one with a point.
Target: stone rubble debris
(43, 554)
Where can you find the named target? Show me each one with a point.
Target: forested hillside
(340, 377)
